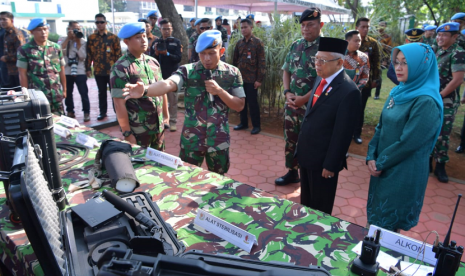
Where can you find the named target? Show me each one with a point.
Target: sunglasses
(100, 22)
(204, 28)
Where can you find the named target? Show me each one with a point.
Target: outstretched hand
(133, 91)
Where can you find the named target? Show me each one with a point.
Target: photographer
(167, 50)
(74, 52)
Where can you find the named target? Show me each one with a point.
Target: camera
(161, 44)
(73, 63)
(78, 33)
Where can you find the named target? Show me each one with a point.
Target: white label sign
(163, 158)
(225, 230)
(69, 121)
(63, 132)
(86, 140)
(404, 245)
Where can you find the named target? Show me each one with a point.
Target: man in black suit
(329, 122)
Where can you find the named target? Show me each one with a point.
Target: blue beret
(430, 27)
(460, 15)
(208, 39)
(250, 16)
(154, 12)
(449, 27)
(197, 22)
(219, 17)
(425, 25)
(463, 31)
(192, 19)
(131, 29)
(37, 22)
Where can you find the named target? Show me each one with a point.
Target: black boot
(440, 172)
(430, 164)
(292, 176)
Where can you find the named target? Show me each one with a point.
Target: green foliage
(105, 5)
(277, 42)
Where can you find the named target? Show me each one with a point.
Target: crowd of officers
(211, 85)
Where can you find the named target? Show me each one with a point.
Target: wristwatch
(287, 90)
(127, 133)
(146, 90)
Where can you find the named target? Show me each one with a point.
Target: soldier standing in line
(212, 87)
(193, 38)
(205, 25)
(460, 18)
(140, 120)
(451, 65)
(150, 37)
(191, 28)
(371, 49)
(298, 77)
(41, 65)
(249, 57)
(356, 64)
(224, 32)
(153, 18)
(428, 37)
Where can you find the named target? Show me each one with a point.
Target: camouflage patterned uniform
(206, 129)
(43, 65)
(145, 114)
(224, 33)
(192, 39)
(429, 41)
(299, 65)
(449, 61)
(156, 31)
(190, 31)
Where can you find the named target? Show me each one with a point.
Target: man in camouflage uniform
(371, 49)
(153, 18)
(194, 36)
(191, 29)
(219, 27)
(460, 18)
(428, 37)
(207, 100)
(41, 64)
(141, 120)
(249, 57)
(298, 76)
(451, 65)
(204, 25)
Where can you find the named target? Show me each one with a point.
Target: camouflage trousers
(451, 104)
(217, 161)
(150, 139)
(292, 122)
(57, 108)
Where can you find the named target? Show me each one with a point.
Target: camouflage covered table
(285, 231)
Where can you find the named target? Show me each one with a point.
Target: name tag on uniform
(249, 54)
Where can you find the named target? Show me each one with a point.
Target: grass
(373, 109)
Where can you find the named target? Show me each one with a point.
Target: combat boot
(292, 176)
(440, 172)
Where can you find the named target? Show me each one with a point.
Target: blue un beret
(192, 19)
(460, 15)
(449, 27)
(197, 22)
(219, 17)
(430, 27)
(208, 39)
(37, 22)
(154, 12)
(463, 31)
(250, 16)
(131, 29)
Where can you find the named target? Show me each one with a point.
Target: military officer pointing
(298, 77)
(41, 64)
(207, 100)
(141, 120)
(451, 65)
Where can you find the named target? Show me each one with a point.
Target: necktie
(318, 91)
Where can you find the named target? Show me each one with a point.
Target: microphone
(208, 75)
(137, 214)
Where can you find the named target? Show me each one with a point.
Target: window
(188, 8)
(222, 11)
(208, 9)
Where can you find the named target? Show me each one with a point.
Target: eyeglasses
(322, 61)
(402, 64)
(204, 28)
(100, 22)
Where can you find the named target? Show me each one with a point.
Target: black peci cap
(334, 45)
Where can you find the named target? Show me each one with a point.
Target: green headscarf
(423, 76)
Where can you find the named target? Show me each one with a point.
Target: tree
(353, 5)
(168, 10)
